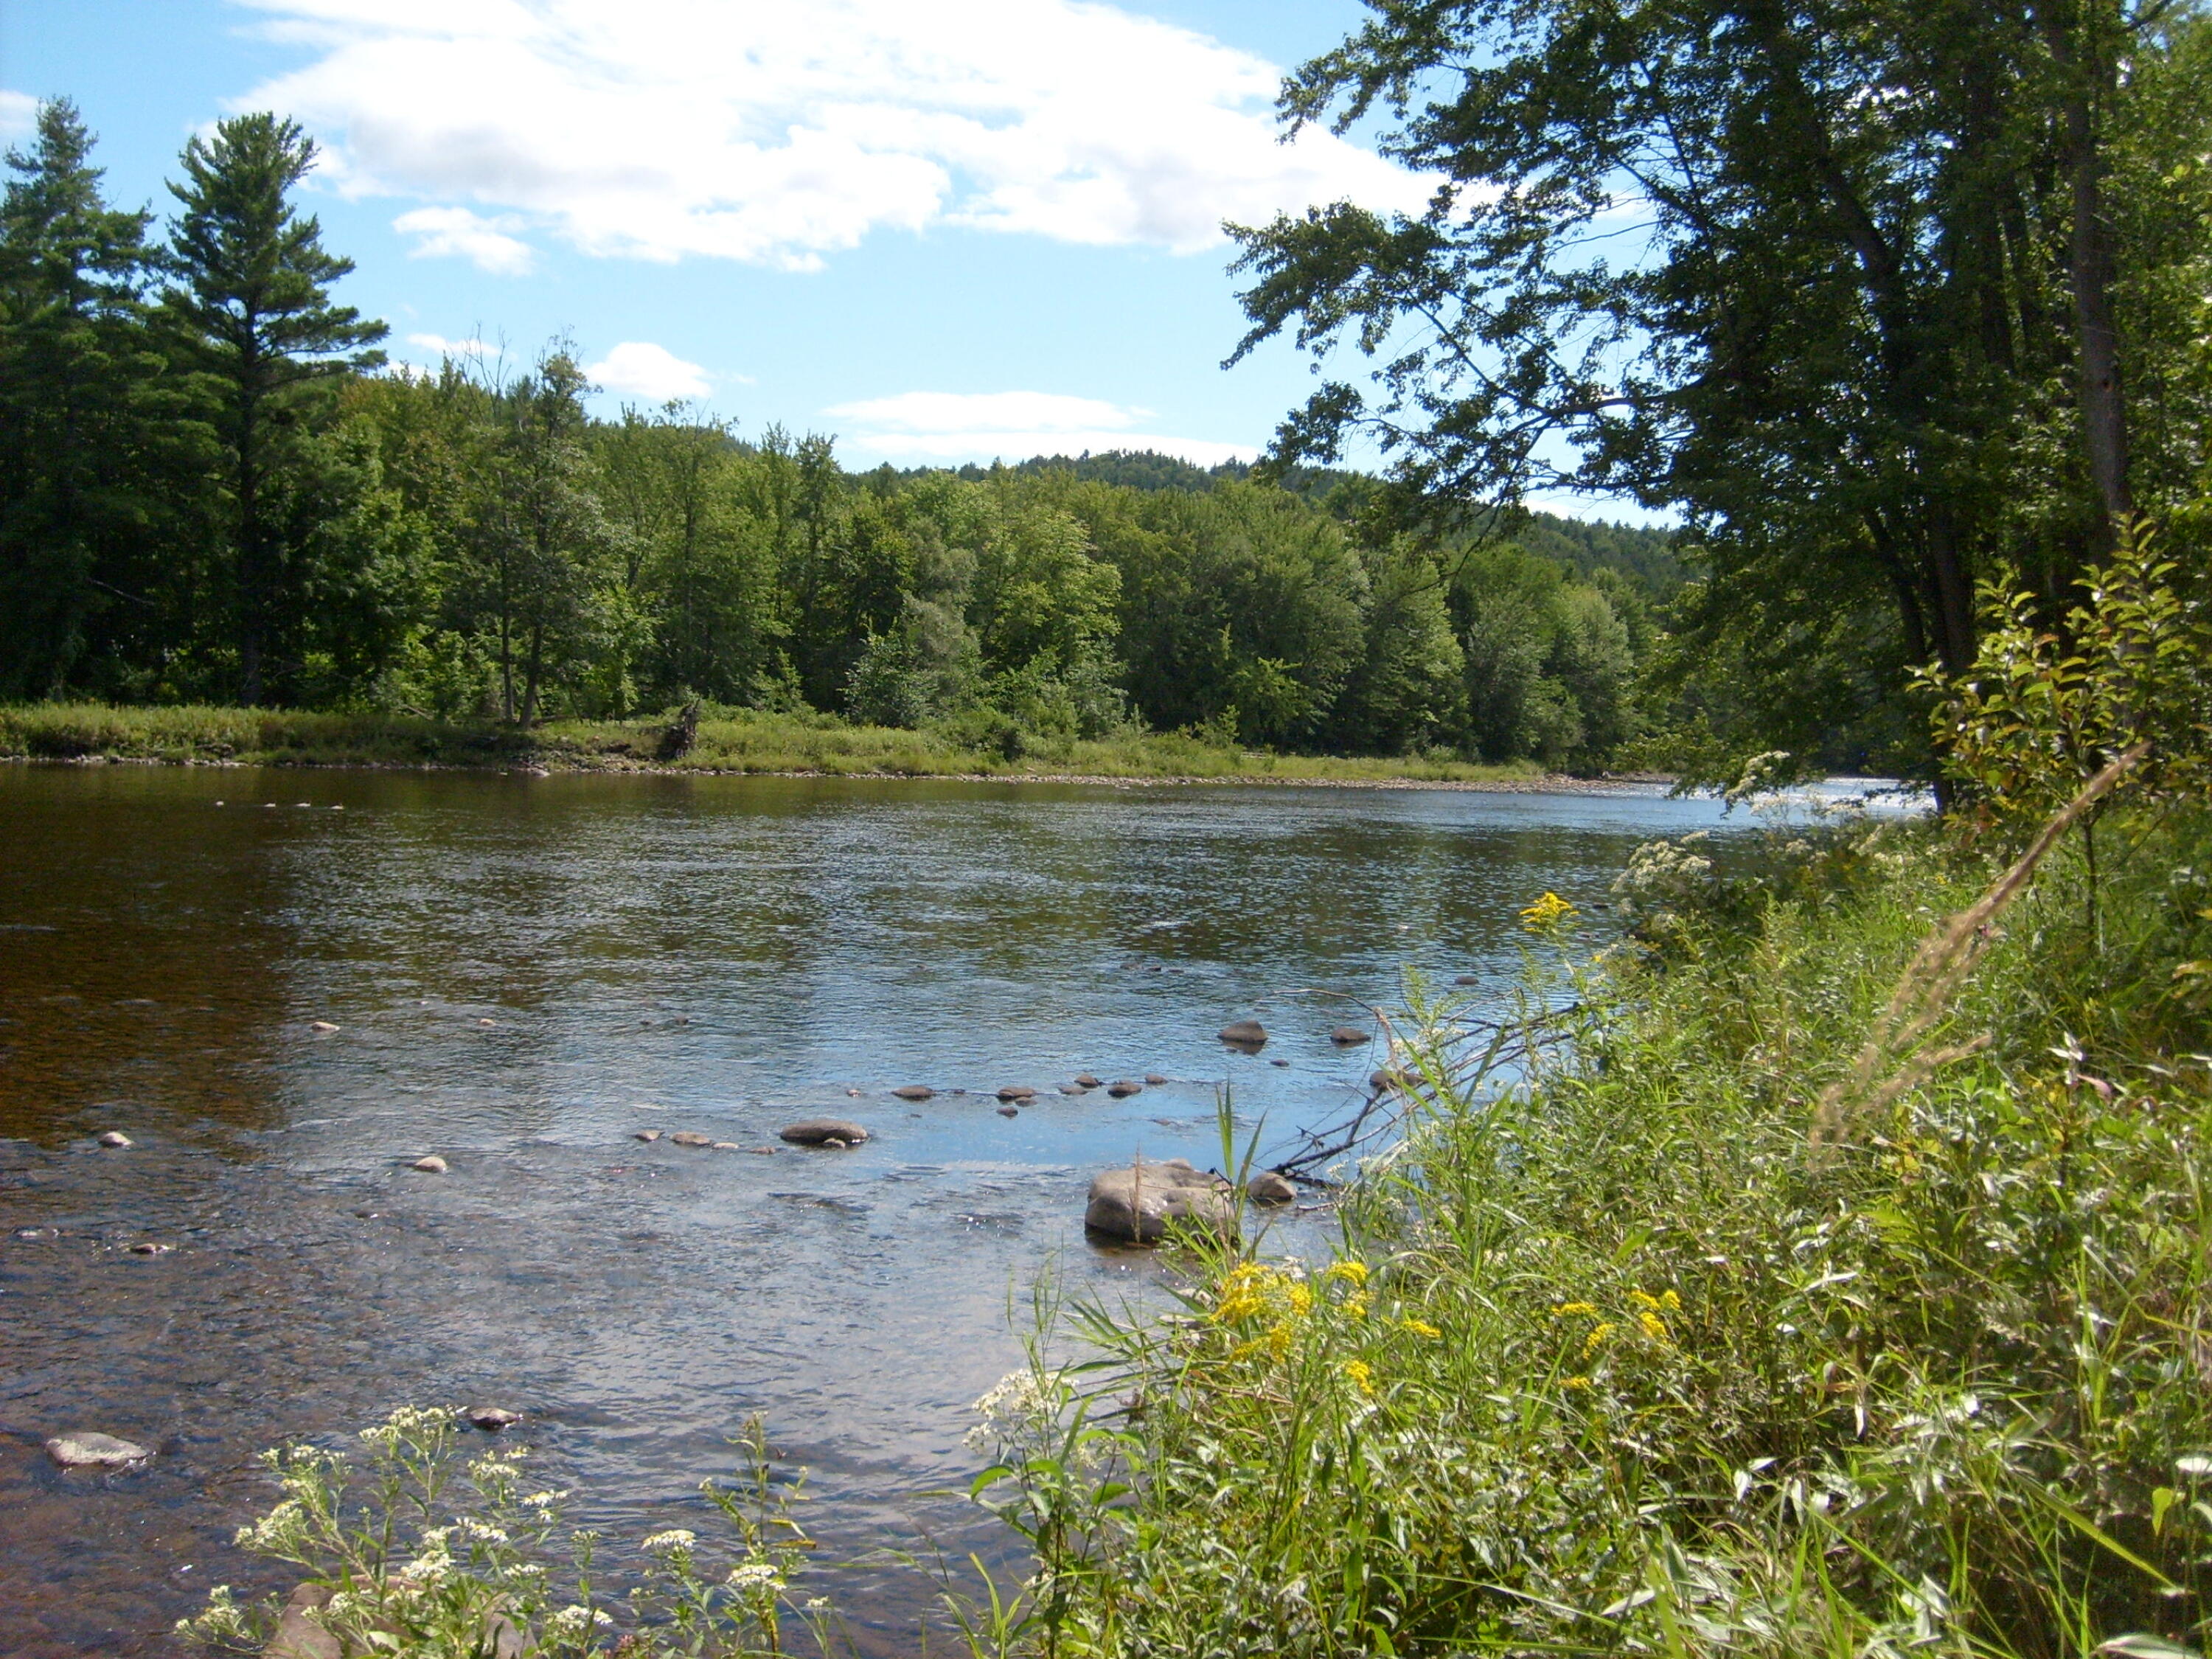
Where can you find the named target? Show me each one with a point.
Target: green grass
(744, 741)
(1624, 1358)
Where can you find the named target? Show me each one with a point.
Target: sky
(941, 230)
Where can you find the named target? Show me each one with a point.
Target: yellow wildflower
(1299, 1297)
(1643, 1300)
(1356, 1304)
(1547, 915)
(1601, 1333)
(1362, 1375)
(1420, 1328)
(1279, 1340)
(1576, 1382)
(1671, 1302)
(1566, 1308)
(1353, 1272)
(1654, 1327)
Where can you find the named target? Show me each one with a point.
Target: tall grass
(1624, 1358)
(734, 740)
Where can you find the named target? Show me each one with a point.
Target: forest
(214, 488)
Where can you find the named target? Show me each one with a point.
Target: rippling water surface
(526, 971)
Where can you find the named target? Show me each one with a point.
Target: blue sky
(943, 230)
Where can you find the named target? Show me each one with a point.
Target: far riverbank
(745, 742)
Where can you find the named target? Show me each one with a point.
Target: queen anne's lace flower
(676, 1538)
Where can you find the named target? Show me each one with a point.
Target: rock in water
(915, 1092)
(1077, 1088)
(648, 1134)
(1347, 1036)
(1244, 1033)
(1123, 1088)
(1155, 1080)
(431, 1165)
(322, 1025)
(822, 1131)
(1018, 1091)
(492, 1419)
(690, 1138)
(1271, 1187)
(1467, 979)
(1138, 1204)
(95, 1451)
(113, 1138)
(1086, 1080)
(1009, 1111)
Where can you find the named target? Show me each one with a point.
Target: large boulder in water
(1137, 1203)
(823, 1132)
(1248, 1034)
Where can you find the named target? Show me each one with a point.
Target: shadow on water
(523, 973)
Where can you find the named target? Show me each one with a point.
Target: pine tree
(87, 417)
(253, 301)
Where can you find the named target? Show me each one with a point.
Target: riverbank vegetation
(723, 739)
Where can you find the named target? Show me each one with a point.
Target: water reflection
(524, 972)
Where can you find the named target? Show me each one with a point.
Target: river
(524, 972)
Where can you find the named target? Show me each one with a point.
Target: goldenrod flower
(1354, 1272)
(1418, 1328)
(1547, 915)
(1601, 1333)
(1362, 1374)
(1654, 1327)
(1279, 1339)
(1566, 1308)
(1576, 1382)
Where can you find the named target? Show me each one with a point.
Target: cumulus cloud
(484, 242)
(1011, 426)
(439, 346)
(658, 129)
(19, 114)
(639, 368)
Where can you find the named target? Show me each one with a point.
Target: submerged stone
(1271, 1187)
(915, 1092)
(87, 1450)
(1347, 1036)
(1244, 1033)
(1137, 1203)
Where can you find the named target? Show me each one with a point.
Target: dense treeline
(213, 490)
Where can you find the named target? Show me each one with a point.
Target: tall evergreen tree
(254, 301)
(87, 416)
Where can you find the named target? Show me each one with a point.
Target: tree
(253, 303)
(92, 445)
(1840, 281)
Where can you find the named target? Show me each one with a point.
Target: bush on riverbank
(1718, 1332)
(733, 740)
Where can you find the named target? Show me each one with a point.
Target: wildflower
(484, 1534)
(676, 1538)
(544, 1500)
(1671, 1302)
(280, 1532)
(1547, 915)
(571, 1622)
(1356, 1304)
(1567, 1308)
(1653, 1326)
(817, 1604)
(1299, 1297)
(1420, 1328)
(1354, 1273)
(408, 1423)
(752, 1576)
(1601, 1333)
(1362, 1375)
(1279, 1340)
(1576, 1382)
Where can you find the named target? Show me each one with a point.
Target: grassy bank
(1722, 1331)
(744, 741)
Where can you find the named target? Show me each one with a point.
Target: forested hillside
(212, 489)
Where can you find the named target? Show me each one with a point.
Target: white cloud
(658, 129)
(639, 368)
(484, 242)
(439, 346)
(19, 114)
(1010, 425)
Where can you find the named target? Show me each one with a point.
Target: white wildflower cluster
(751, 1577)
(409, 1422)
(1661, 874)
(676, 1538)
(224, 1622)
(1019, 1407)
(480, 1532)
(543, 1501)
(282, 1532)
(575, 1620)
(434, 1563)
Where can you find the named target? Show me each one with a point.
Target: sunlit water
(524, 972)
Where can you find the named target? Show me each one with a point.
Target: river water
(526, 971)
